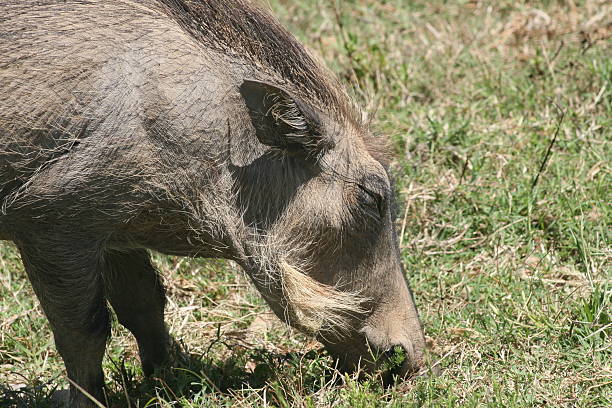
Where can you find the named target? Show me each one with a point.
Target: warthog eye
(373, 203)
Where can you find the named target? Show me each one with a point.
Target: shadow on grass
(39, 396)
(197, 375)
(193, 376)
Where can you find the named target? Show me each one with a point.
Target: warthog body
(195, 128)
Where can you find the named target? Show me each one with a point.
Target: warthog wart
(194, 128)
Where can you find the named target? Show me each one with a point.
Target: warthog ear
(283, 121)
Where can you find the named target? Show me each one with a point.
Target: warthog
(196, 128)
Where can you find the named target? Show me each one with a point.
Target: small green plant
(395, 358)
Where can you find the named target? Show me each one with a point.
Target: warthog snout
(389, 342)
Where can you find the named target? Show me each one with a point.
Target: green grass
(512, 277)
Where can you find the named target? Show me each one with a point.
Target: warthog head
(320, 205)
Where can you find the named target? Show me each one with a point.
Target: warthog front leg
(136, 293)
(67, 282)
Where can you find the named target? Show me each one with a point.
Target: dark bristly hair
(241, 29)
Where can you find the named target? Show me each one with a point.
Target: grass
(500, 115)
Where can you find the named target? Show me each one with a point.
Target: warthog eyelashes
(373, 202)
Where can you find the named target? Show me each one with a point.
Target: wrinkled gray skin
(190, 128)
